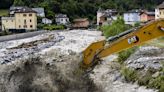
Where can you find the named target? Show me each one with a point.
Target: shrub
(53, 27)
(115, 28)
(40, 26)
(137, 24)
(123, 55)
(157, 83)
(146, 77)
(129, 74)
(5, 32)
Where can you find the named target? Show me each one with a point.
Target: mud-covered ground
(53, 66)
(45, 74)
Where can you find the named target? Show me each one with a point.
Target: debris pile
(109, 79)
(45, 74)
(146, 57)
(27, 49)
(40, 64)
(75, 40)
(34, 43)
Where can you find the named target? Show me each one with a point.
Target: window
(61, 19)
(30, 20)
(24, 15)
(24, 21)
(160, 13)
(6, 20)
(30, 14)
(19, 26)
(105, 18)
(11, 20)
(25, 26)
(31, 26)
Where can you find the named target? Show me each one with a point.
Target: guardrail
(20, 36)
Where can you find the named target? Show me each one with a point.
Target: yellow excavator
(127, 39)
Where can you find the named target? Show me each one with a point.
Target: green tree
(18, 3)
(115, 28)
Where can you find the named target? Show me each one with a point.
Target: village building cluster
(105, 17)
(25, 18)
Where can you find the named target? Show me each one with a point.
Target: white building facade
(46, 21)
(108, 14)
(159, 11)
(62, 19)
(132, 17)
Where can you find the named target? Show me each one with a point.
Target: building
(81, 23)
(106, 16)
(40, 12)
(147, 16)
(132, 17)
(61, 19)
(8, 23)
(24, 18)
(159, 11)
(46, 21)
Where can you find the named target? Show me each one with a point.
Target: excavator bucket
(89, 55)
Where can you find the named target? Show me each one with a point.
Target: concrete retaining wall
(20, 36)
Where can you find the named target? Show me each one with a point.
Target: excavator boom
(125, 40)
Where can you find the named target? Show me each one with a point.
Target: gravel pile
(147, 57)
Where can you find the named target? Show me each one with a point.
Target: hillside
(81, 8)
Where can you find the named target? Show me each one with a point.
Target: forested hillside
(81, 8)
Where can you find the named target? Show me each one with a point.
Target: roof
(38, 10)
(7, 18)
(108, 11)
(61, 16)
(15, 7)
(111, 10)
(80, 19)
(134, 11)
(25, 10)
(45, 19)
(149, 13)
(161, 6)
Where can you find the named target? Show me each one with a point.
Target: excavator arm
(127, 39)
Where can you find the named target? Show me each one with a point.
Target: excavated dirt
(45, 74)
